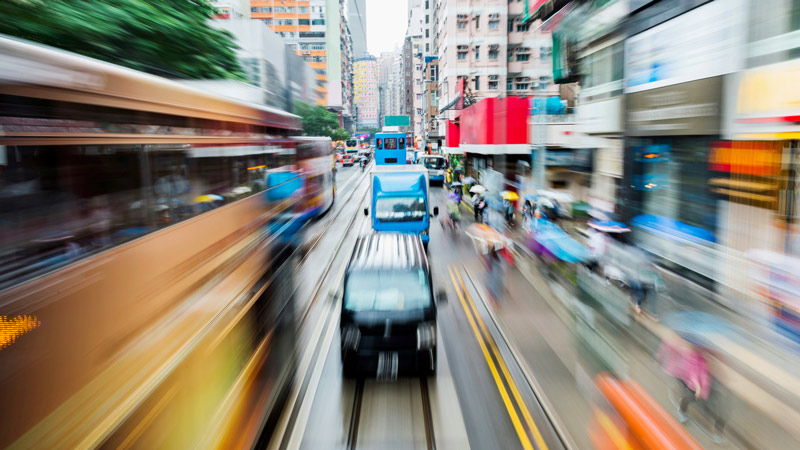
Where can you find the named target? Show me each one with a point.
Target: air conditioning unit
(461, 17)
(494, 16)
(493, 77)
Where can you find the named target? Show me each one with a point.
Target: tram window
(402, 143)
(61, 203)
(379, 144)
(390, 143)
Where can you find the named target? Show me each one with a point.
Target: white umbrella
(477, 189)
(545, 202)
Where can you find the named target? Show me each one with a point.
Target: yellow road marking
(512, 413)
(514, 390)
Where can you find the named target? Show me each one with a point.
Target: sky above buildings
(387, 21)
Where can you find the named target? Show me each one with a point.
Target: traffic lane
(344, 175)
(491, 388)
(486, 418)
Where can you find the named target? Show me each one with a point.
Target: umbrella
(510, 195)
(456, 184)
(545, 202)
(208, 198)
(486, 235)
(699, 328)
(549, 239)
(477, 189)
(608, 226)
(469, 180)
(242, 190)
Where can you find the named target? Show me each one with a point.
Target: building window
(302, 9)
(461, 25)
(477, 52)
(523, 57)
(477, 83)
(279, 9)
(268, 21)
(510, 26)
(509, 85)
(302, 21)
(522, 27)
(493, 85)
(494, 24)
(462, 55)
(317, 21)
(477, 22)
(510, 55)
(427, 32)
(254, 9)
(522, 86)
(494, 54)
(427, 19)
(266, 9)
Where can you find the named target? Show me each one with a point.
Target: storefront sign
(704, 42)
(769, 94)
(683, 109)
(600, 117)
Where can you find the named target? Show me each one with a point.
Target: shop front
(670, 133)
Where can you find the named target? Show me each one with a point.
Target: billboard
(396, 121)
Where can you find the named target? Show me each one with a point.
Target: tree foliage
(318, 121)
(171, 38)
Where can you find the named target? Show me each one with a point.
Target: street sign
(396, 121)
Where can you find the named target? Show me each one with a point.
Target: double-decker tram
(139, 303)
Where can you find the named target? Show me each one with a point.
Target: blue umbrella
(469, 180)
(698, 327)
(558, 243)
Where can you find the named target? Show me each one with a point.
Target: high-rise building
(385, 67)
(487, 44)
(365, 89)
(357, 19)
(317, 31)
(414, 37)
(280, 74)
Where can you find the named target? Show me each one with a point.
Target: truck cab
(400, 200)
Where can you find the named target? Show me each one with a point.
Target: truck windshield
(400, 209)
(395, 290)
(351, 143)
(433, 163)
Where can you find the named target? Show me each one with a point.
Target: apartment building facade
(317, 31)
(365, 82)
(489, 45)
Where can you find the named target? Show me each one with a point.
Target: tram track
(284, 433)
(356, 413)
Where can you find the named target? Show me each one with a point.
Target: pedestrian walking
(689, 366)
